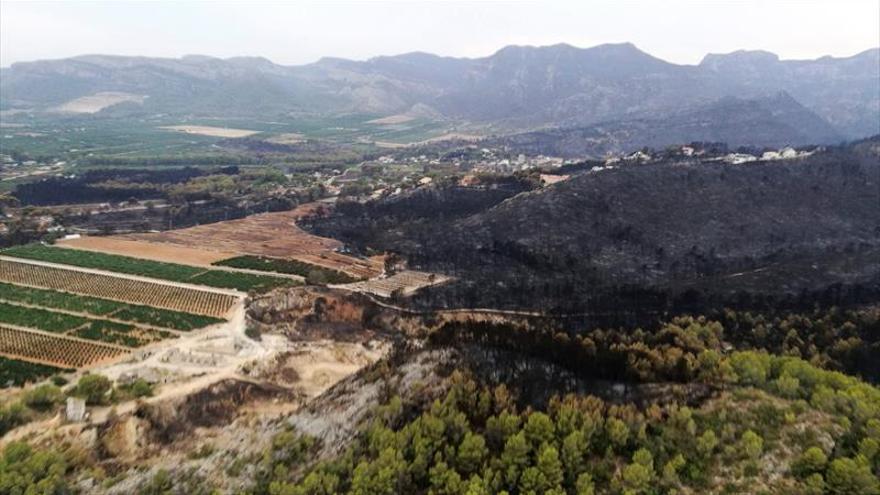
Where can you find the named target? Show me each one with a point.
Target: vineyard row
(164, 296)
(54, 350)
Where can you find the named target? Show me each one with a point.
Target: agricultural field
(120, 333)
(55, 350)
(71, 318)
(41, 319)
(100, 261)
(74, 138)
(86, 328)
(146, 250)
(146, 268)
(57, 300)
(15, 373)
(203, 130)
(93, 306)
(288, 266)
(270, 235)
(117, 288)
(241, 281)
(156, 317)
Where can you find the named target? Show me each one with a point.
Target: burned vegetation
(682, 235)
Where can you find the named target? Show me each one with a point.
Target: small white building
(738, 158)
(75, 411)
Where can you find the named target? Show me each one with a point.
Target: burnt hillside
(763, 229)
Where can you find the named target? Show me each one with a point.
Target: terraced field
(117, 288)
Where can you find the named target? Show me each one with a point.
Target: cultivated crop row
(57, 300)
(54, 349)
(86, 328)
(102, 261)
(104, 307)
(241, 281)
(120, 334)
(313, 273)
(164, 318)
(147, 268)
(39, 318)
(15, 373)
(117, 288)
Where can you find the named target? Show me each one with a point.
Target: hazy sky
(679, 31)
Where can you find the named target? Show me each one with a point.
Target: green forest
(733, 421)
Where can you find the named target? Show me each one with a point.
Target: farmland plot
(54, 350)
(270, 235)
(120, 333)
(288, 266)
(153, 251)
(100, 261)
(93, 306)
(115, 288)
(174, 272)
(16, 373)
(57, 300)
(90, 329)
(39, 318)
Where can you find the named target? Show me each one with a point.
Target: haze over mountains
(615, 94)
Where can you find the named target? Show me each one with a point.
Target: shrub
(850, 477)
(28, 471)
(813, 460)
(11, 416)
(139, 388)
(43, 397)
(93, 388)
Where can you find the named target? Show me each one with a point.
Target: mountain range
(518, 88)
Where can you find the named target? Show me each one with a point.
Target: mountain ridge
(420, 52)
(516, 88)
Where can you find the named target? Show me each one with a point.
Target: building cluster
(478, 159)
(711, 153)
(786, 153)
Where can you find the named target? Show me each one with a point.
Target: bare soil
(97, 102)
(269, 234)
(391, 120)
(203, 130)
(148, 250)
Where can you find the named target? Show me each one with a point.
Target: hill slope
(771, 228)
(768, 121)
